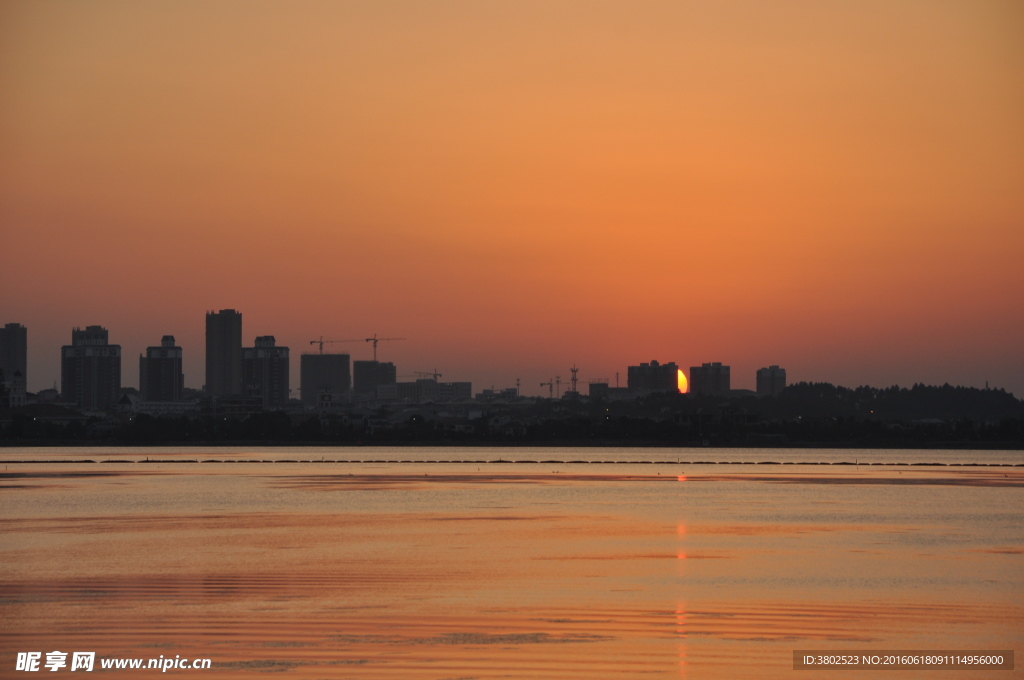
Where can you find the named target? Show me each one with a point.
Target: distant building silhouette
(770, 381)
(491, 395)
(367, 376)
(425, 390)
(710, 379)
(12, 391)
(653, 377)
(265, 372)
(600, 390)
(324, 374)
(90, 370)
(160, 376)
(224, 353)
(14, 350)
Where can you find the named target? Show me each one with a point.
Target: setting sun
(682, 381)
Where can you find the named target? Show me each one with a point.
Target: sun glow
(683, 387)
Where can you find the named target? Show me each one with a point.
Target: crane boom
(321, 342)
(551, 388)
(375, 340)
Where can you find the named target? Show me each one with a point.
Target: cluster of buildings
(261, 373)
(709, 379)
(714, 379)
(238, 379)
(246, 379)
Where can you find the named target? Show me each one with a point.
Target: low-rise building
(424, 391)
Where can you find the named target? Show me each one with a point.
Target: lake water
(552, 563)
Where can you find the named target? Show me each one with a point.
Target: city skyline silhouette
(224, 328)
(521, 187)
(442, 267)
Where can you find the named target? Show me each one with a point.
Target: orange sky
(833, 186)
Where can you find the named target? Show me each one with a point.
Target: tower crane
(551, 388)
(321, 342)
(435, 375)
(375, 340)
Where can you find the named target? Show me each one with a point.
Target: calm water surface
(646, 567)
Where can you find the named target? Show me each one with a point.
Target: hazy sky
(833, 186)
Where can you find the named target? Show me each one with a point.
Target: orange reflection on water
(681, 635)
(681, 606)
(327, 574)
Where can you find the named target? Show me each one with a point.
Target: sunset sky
(834, 186)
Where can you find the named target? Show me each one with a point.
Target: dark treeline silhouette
(804, 414)
(824, 400)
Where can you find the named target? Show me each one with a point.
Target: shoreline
(556, 444)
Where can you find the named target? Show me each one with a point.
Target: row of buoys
(516, 462)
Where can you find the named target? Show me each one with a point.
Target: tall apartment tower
(14, 350)
(770, 381)
(711, 379)
(265, 372)
(223, 353)
(653, 377)
(160, 376)
(324, 373)
(90, 370)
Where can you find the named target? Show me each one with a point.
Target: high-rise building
(265, 372)
(653, 377)
(324, 374)
(770, 381)
(224, 353)
(368, 375)
(711, 379)
(14, 350)
(90, 370)
(160, 376)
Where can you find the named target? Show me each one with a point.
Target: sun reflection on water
(681, 605)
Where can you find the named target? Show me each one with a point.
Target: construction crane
(558, 386)
(375, 340)
(321, 342)
(551, 388)
(435, 375)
